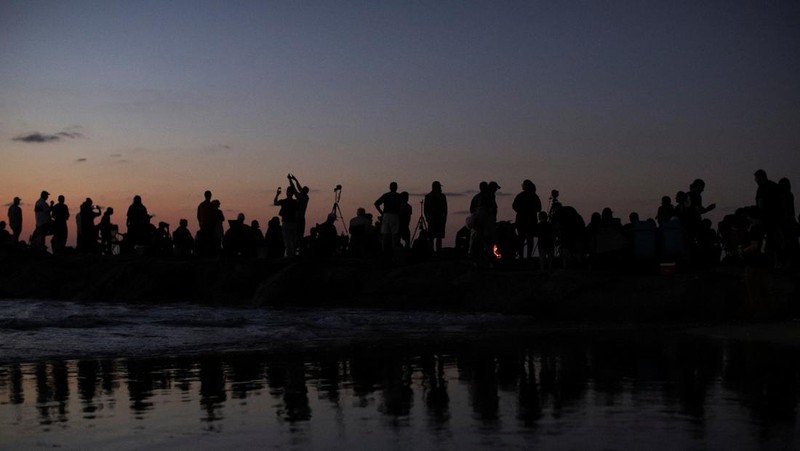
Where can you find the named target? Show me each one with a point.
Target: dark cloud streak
(37, 137)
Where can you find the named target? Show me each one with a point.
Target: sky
(613, 103)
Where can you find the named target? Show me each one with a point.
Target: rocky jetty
(447, 284)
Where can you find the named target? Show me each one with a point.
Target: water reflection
(711, 390)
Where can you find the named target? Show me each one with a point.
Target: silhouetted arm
(378, 205)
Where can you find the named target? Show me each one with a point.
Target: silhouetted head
(404, 196)
(274, 222)
(17, 200)
(785, 184)
(607, 213)
(61, 199)
(483, 186)
(240, 217)
(527, 185)
(697, 185)
(361, 212)
(595, 218)
(494, 186)
(137, 199)
(45, 195)
(760, 176)
(207, 195)
(109, 211)
(254, 224)
(305, 190)
(436, 186)
(633, 217)
(291, 191)
(542, 216)
(665, 200)
(393, 187)
(680, 197)
(216, 203)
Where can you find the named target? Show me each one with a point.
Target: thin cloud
(80, 160)
(38, 138)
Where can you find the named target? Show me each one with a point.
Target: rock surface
(442, 285)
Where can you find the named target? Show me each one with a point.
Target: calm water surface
(95, 376)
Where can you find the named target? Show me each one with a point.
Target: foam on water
(32, 330)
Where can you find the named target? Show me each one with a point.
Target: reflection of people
(435, 207)
(15, 219)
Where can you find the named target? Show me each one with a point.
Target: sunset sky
(613, 103)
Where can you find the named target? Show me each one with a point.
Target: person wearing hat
(15, 219)
(41, 212)
(435, 209)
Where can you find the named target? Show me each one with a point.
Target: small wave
(70, 322)
(199, 322)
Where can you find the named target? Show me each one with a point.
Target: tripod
(421, 224)
(335, 210)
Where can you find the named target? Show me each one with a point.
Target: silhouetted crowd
(761, 236)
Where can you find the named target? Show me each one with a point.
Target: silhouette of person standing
(768, 201)
(473, 222)
(405, 219)
(137, 222)
(43, 221)
(435, 210)
(288, 213)
(206, 219)
(107, 230)
(60, 213)
(87, 239)
(665, 211)
(484, 220)
(15, 219)
(388, 206)
(301, 195)
(789, 224)
(219, 229)
(527, 205)
(182, 239)
(273, 239)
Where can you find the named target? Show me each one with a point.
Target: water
(97, 376)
